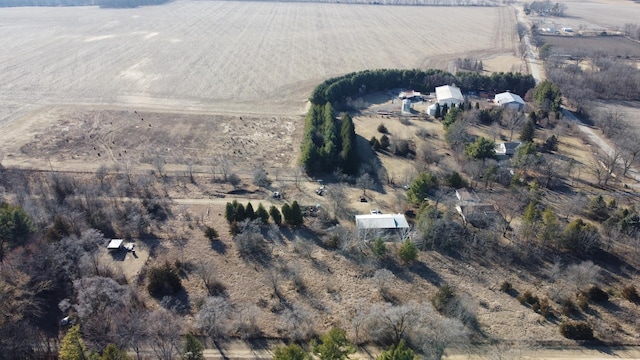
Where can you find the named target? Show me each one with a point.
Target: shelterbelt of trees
(329, 144)
(336, 90)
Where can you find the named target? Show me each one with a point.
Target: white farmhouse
(509, 100)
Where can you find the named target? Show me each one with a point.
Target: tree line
(328, 144)
(338, 89)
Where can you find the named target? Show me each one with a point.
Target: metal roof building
(381, 221)
(449, 95)
(507, 99)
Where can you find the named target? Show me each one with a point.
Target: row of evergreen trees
(328, 144)
(337, 90)
(236, 212)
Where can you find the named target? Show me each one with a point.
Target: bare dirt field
(240, 57)
(603, 13)
(614, 46)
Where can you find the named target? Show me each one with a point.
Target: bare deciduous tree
(159, 162)
(297, 323)
(512, 120)
(604, 167)
(383, 279)
(583, 274)
(165, 334)
(212, 318)
(260, 177)
(365, 182)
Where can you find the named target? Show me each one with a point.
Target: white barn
(448, 95)
(509, 100)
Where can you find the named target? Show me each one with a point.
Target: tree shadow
(219, 246)
(118, 254)
(421, 269)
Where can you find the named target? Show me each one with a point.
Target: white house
(448, 95)
(509, 100)
(507, 148)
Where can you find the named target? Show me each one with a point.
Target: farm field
(239, 57)
(603, 13)
(611, 45)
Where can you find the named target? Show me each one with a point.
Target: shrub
(506, 287)
(629, 292)
(443, 298)
(382, 129)
(582, 302)
(384, 142)
(567, 307)
(210, 233)
(542, 307)
(163, 281)
(576, 330)
(595, 293)
(528, 298)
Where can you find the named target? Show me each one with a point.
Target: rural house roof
(507, 148)
(507, 98)
(381, 221)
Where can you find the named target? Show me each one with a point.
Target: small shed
(115, 244)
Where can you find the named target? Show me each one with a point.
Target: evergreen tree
(193, 348)
(275, 214)
(241, 214)
(262, 214)
(379, 248)
(290, 352)
(445, 109)
(477, 106)
(72, 346)
(349, 154)
(481, 149)
(286, 213)
(112, 352)
(399, 352)
(438, 113)
(532, 214)
(333, 345)
(550, 227)
(420, 187)
(296, 214)
(547, 96)
(408, 251)
(230, 213)
(528, 131)
(451, 117)
(249, 213)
